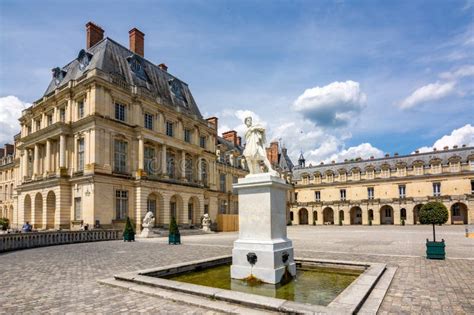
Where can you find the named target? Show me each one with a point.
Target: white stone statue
(206, 223)
(254, 151)
(148, 222)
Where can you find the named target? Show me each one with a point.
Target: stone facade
(113, 136)
(9, 169)
(388, 190)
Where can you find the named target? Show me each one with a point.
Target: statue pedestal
(262, 230)
(146, 232)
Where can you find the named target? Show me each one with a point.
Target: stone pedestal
(262, 230)
(146, 232)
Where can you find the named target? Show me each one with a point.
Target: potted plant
(174, 237)
(4, 224)
(128, 233)
(434, 213)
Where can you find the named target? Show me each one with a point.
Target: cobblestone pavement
(62, 279)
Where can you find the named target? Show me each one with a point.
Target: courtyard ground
(62, 279)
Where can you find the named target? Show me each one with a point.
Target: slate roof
(229, 144)
(463, 153)
(114, 59)
(284, 161)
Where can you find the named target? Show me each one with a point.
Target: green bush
(173, 226)
(5, 223)
(433, 213)
(128, 232)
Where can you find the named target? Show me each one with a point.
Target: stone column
(62, 151)
(47, 162)
(74, 159)
(163, 160)
(24, 165)
(199, 169)
(141, 154)
(36, 160)
(182, 165)
(365, 215)
(376, 220)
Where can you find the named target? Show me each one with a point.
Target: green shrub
(173, 226)
(433, 213)
(128, 232)
(5, 223)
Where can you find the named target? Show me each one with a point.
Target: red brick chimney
(272, 153)
(239, 141)
(94, 34)
(163, 67)
(213, 121)
(230, 136)
(137, 41)
(9, 149)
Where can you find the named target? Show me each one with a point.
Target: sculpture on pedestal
(148, 222)
(254, 151)
(206, 223)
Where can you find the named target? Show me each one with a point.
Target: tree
(433, 212)
(128, 233)
(173, 227)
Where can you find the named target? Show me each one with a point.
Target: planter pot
(435, 250)
(128, 237)
(174, 239)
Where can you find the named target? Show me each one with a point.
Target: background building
(8, 180)
(116, 135)
(386, 190)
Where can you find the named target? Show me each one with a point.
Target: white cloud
(464, 71)
(363, 150)
(460, 136)
(430, 92)
(10, 111)
(332, 105)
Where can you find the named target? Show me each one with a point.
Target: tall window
(80, 109)
(119, 112)
(149, 159)
(38, 124)
(169, 128)
(342, 192)
(386, 173)
(388, 212)
(355, 175)
(121, 204)
(317, 179)
(419, 170)
(204, 172)
(454, 166)
(173, 209)
(151, 206)
(148, 121)
(120, 156)
(202, 142)
(329, 177)
(62, 114)
(170, 165)
(77, 209)
(188, 169)
(80, 154)
(436, 168)
(296, 196)
(402, 191)
(190, 211)
(187, 135)
(370, 192)
(472, 186)
(436, 189)
(317, 195)
(222, 182)
(49, 120)
(370, 174)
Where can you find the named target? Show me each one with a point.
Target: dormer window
(58, 75)
(177, 90)
(84, 59)
(137, 67)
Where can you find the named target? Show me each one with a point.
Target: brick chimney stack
(137, 41)
(94, 34)
(239, 141)
(163, 67)
(230, 136)
(213, 121)
(272, 152)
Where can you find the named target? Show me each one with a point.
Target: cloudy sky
(334, 79)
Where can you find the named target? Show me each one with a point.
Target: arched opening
(10, 215)
(328, 216)
(193, 210)
(459, 213)
(176, 206)
(341, 216)
(403, 214)
(27, 209)
(38, 219)
(416, 214)
(154, 203)
(50, 210)
(315, 217)
(188, 168)
(386, 215)
(371, 215)
(291, 216)
(356, 215)
(303, 216)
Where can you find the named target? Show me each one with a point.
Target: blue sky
(336, 79)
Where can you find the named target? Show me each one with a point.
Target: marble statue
(206, 223)
(254, 151)
(148, 222)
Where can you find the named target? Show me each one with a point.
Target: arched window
(403, 213)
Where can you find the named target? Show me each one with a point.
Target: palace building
(388, 190)
(117, 135)
(8, 181)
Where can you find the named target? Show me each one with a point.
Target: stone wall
(10, 242)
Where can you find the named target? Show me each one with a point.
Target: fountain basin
(356, 280)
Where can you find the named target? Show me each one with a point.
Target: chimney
(372, 157)
(163, 67)
(434, 149)
(272, 153)
(455, 146)
(230, 136)
(137, 41)
(387, 155)
(2, 152)
(446, 148)
(395, 154)
(9, 149)
(417, 151)
(213, 121)
(94, 34)
(239, 141)
(463, 145)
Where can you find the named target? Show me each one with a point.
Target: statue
(148, 222)
(254, 151)
(206, 223)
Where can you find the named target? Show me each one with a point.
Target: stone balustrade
(10, 242)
